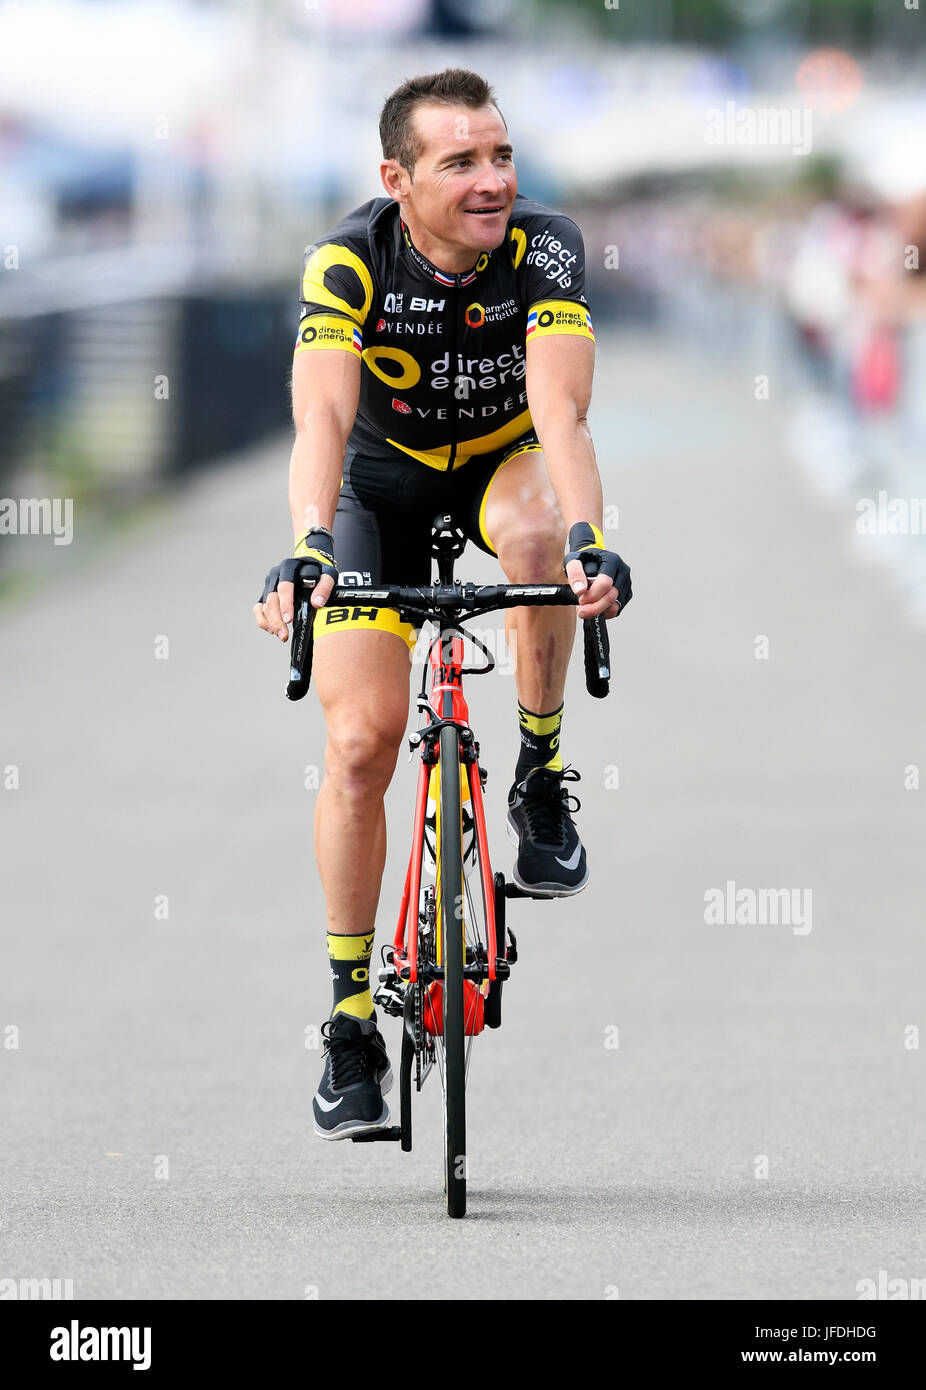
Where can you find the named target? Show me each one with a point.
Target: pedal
(513, 891)
(377, 1136)
(390, 999)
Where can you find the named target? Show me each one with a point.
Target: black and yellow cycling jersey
(443, 355)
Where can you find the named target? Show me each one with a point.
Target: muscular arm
(326, 389)
(559, 388)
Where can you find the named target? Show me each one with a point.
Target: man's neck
(443, 255)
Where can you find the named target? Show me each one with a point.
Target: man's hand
(609, 591)
(313, 559)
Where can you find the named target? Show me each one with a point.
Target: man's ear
(396, 179)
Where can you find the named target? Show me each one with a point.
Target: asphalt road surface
(673, 1108)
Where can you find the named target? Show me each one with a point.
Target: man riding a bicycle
(443, 365)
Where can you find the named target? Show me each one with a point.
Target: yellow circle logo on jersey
(411, 372)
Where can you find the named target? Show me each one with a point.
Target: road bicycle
(453, 951)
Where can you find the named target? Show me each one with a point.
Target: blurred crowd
(854, 290)
(821, 286)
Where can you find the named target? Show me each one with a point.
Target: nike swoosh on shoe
(328, 1104)
(573, 859)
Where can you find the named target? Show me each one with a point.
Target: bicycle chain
(423, 947)
(419, 1032)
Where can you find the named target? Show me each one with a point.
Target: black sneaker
(551, 859)
(356, 1077)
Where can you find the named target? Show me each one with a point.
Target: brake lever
(597, 657)
(597, 647)
(302, 640)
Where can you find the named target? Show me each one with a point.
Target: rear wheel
(450, 956)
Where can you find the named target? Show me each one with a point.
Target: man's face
(465, 182)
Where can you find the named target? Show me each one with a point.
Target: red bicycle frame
(446, 701)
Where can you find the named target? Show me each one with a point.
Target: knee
(530, 542)
(361, 753)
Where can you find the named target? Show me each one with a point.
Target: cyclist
(443, 364)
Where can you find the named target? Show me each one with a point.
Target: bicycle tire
(452, 949)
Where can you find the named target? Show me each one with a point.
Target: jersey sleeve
(335, 295)
(553, 256)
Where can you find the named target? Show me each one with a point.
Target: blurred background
(750, 179)
(164, 164)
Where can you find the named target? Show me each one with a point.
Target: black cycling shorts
(382, 526)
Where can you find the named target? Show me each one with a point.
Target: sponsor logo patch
(327, 331)
(562, 317)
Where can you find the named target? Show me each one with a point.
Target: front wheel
(451, 957)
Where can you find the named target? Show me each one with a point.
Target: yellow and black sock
(350, 974)
(539, 741)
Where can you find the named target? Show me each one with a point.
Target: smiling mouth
(482, 212)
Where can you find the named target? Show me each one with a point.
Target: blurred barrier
(17, 379)
(234, 354)
(106, 401)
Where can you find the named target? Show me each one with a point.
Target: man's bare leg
(524, 524)
(362, 681)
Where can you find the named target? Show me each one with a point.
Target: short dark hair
(452, 87)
